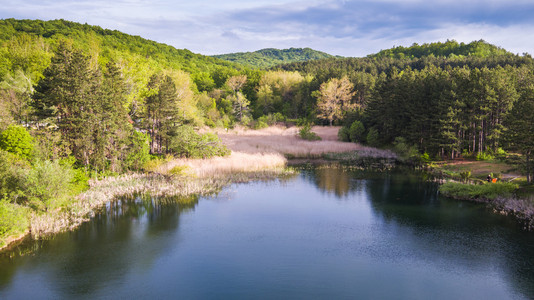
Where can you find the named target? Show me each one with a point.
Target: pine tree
(67, 97)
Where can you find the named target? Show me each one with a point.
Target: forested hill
(109, 43)
(447, 49)
(270, 57)
(442, 55)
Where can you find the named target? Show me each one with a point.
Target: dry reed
(277, 139)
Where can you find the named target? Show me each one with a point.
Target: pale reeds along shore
(256, 155)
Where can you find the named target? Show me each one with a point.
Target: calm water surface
(324, 234)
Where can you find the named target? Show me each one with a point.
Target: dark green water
(325, 234)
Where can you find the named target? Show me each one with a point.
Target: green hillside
(439, 49)
(270, 57)
(109, 42)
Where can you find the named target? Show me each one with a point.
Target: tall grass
(237, 162)
(285, 141)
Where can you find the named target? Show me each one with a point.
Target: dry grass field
(282, 140)
(264, 149)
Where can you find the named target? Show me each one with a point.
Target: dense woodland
(270, 57)
(77, 100)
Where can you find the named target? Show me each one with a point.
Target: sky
(339, 27)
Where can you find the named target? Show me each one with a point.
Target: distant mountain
(439, 49)
(270, 57)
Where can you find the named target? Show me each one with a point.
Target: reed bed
(285, 141)
(209, 180)
(84, 205)
(237, 162)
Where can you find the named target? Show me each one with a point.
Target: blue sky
(347, 28)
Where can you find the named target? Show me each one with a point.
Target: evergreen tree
(67, 97)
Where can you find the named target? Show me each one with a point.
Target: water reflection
(264, 236)
(126, 235)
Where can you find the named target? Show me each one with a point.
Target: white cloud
(349, 28)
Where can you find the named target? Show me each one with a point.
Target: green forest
(270, 57)
(78, 101)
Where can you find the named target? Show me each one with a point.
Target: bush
(188, 143)
(465, 175)
(343, 134)
(268, 120)
(14, 220)
(425, 158)
(12, 176)
(305, 133)
(373, 139)
(405, 151)
(17, 140)
(357, 132)
(484, 156)
(138, 151)
(261, 123)
(48, 184)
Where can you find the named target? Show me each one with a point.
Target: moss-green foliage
(187, 143)
(480, 191)
(305, 133)
(270, 57)
(14, 220)
(17, 140)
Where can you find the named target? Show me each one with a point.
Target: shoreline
(101, 192)
(520, 209)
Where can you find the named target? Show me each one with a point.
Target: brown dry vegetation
(285, 141)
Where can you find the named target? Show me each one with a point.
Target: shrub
(17, 140)
(425, 158)
(405, 151)
(14, 220)
(48, 184)
(188, 143)
(261, 123)
(343, 134)
(305, 133)
(138, 151)
(373, 139)
(484, 156)
(465, 175)
(12, 176)
(357, 132)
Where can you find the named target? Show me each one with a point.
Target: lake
(326, 233)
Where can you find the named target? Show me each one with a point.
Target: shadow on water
(435, 228)
(114, 240)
